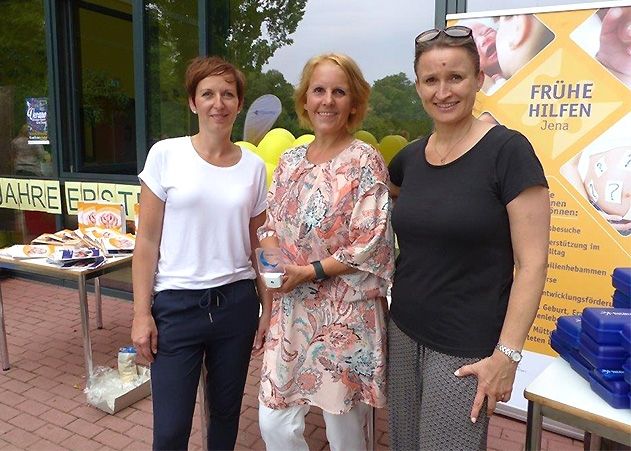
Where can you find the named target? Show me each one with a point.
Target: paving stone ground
(43, 407)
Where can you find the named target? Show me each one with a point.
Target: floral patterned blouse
(326, 345)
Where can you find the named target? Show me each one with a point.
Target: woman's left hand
(294, 276)
(495, 375)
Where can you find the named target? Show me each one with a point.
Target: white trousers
(283, 429)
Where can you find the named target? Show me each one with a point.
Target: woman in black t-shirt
(472, 210)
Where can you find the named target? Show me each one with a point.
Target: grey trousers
(429, 407)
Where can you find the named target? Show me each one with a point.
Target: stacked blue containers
(597, 344)
(621, 280)
(626, 343)
(601, 343)
(566, 339)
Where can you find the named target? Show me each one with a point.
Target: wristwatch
(320, 275)
(512, 354)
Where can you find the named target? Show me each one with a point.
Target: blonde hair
(359, 87)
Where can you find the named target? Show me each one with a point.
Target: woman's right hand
(144, 336)
(296, 275)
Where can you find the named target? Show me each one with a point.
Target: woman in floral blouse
(329, 212)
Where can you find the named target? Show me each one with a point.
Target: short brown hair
(442, 41)
(205, 66)
(360, 89)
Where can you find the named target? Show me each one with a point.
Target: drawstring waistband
(211, 295)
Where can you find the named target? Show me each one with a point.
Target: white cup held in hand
(271, 266)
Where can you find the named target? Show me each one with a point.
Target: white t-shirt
(205, 237)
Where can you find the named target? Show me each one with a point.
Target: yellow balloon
(367, 137)
(303, 139)
(390, 146)
(269, 167)
(281, 132)
(247, 145)
(271, 147)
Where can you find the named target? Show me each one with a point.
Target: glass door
(105, 69)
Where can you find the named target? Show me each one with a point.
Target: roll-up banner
(562, 77)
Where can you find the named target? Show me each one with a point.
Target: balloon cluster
(278, 140)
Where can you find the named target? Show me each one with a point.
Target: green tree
(172, 41)
(395, 109)
(23, 67)
(252, 30)
(245, 32)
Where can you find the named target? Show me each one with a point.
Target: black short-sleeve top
(455, 268)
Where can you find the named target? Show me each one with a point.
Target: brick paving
(43, 407)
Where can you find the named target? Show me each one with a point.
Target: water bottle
(127, 369)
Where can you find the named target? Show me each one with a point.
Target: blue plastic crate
(579, 364)
(610, 375)
(611, 357)
(558, 345)
(615, 400)
(619, 300)
(569, 330)
(621, 280)
(603, 325)
(619, 387)
(625, 333)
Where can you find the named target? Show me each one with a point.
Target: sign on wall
(32, 195)
(127, 195)
(46, 195)
(37, 120)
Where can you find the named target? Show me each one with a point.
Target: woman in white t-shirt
(202, 199)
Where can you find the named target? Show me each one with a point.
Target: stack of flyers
(48, 238)
(90, 237)
(62, 238)
(69, 236)
(110, 241)
(77, 258)
(119, 245)
(27, 251)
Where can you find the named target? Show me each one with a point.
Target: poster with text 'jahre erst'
(563, 79)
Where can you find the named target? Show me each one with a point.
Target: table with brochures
(563, 395)
(81, 276)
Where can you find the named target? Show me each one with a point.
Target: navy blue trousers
(215, 326)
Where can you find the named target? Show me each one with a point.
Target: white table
(39, 266)
(561, 394)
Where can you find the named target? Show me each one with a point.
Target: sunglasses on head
(456, 31)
